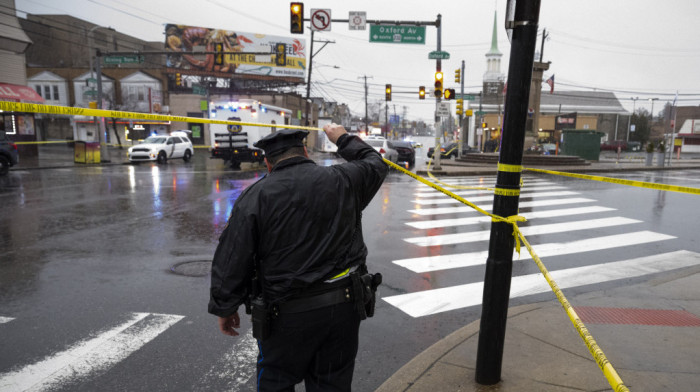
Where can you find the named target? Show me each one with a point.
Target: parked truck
(234, 143)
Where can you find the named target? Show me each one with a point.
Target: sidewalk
(543, 351)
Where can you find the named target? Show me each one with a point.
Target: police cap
(277, 142)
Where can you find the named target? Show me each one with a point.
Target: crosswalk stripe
(459, 238)
(438, 194)
(490, 197)
(4, 320)
(534, 203)
(432, 224)
(235, 368)
(429, 302)
(89, 357)
(443, 262)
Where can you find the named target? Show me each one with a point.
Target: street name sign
(135, 59)
(397, 34)
(465, 97)
(357, 20)
(441, 55)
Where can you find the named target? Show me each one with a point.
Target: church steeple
(494, 37)
(493, 78)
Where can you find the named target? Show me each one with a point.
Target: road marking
(4, 320)
(459, 238)
(450, 200)
(460, 260)
(429, 302)
(438, 194)
(535, 203)
(432, 224)
(235, 368)
(91, 357)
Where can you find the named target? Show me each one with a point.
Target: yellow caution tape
(598, 355)
(608, 370)
(640, 184)
(506, 192)
(510, 168)
(75, 111)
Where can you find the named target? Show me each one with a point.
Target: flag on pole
(550, 82)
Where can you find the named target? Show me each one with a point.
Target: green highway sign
(435, 55)
(134, 59)
(397, 34)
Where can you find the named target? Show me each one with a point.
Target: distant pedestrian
(293, 252)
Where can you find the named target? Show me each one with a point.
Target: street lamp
(652, 109)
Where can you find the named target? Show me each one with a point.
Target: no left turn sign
(321, 19)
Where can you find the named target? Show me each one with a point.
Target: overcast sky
(635, 48)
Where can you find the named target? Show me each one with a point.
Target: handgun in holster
(364, 291)
(261, 318)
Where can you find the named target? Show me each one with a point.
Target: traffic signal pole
(438, 129)
(499, 264)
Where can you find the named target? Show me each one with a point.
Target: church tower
(493, 77)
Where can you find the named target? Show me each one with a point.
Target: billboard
(180, 39)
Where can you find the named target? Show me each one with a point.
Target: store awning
(17, 93)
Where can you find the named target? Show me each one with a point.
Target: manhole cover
(192, 268)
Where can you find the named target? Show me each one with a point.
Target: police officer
(294, 244)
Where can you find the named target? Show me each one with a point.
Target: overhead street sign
(357, 20)
(465, 97)
(397, 34)
(135, 59)
(321, 19)
(435, 55)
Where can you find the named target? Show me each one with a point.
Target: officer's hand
(334, 131)
(228, 325)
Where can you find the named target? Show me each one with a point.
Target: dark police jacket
(301, 223)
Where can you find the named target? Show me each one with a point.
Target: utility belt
(358, 288)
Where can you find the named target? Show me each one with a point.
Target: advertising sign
(565, 121)
(237, 45)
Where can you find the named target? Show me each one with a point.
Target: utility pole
(438, 68)
(544, 36)
(366, 118)
(499, 264)
(311, 64)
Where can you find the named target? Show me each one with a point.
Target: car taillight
(216, 145)
(442, 150)
(381, 151)
(13, 146)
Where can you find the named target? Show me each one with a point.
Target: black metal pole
(499, 264)
(308, 83)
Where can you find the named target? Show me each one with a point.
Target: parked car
(448, 151)
(406, 152)
(383, 147)
(8, 154)
(160, 148)
(613, 145)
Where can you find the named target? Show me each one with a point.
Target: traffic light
(219, 56)
(438, 84)
(459, 107)
(484, 125)
(388, 92)
(178, 79)
(421, 92)
(280, 54)
(297, 18)
(458, 75)
(449, 93)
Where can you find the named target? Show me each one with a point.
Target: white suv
(160, 148)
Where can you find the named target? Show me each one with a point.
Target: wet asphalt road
(83, 249)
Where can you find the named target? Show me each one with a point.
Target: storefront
(18, 126)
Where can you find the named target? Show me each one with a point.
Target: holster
(261, 316)
(364, 287)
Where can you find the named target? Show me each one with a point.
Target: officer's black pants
(317, 346)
